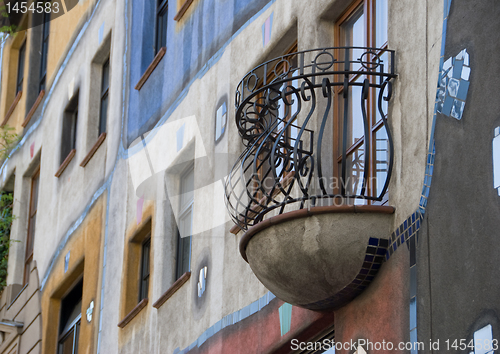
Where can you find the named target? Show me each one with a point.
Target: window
(44, 51)
(103, 115)
(69, 325)
(20, 68)
(144, 280)
(30, 238)
(363, 25)
(185, 225)
(161, 24)
(69, 127)
(137, 272)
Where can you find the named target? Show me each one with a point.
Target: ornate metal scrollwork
(294, 154)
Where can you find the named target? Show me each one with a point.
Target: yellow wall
(9, 79)
(85, 247)
(63, 31)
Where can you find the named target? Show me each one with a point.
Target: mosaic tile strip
(285, 312)
(452, 88)
(453, 85)
(375, 252)
(411, 225)
(496, 159)
(229, 320)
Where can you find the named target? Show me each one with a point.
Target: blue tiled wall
(191, 42)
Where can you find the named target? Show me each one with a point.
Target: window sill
(151, 68)
(172, 290)
(93, 150)
(183, 9)
(12, 108)
(33, 109)
(130, 316)
(65, 163)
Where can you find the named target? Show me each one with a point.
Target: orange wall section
(85, 247)
(63, 31)
(9, 79)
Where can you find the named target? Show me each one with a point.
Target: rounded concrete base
(308, 258)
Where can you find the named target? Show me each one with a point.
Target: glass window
(103, 115)
(70, 120)
(20, 68)
(145, 261)
(364, 25)
(185, 225)
(30, 238)
(44, 50)
(161, 24)
(69, 325)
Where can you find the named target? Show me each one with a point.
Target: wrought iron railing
(315, 130)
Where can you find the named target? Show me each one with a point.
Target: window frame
(182, 265)
(30, 236)
(21, 63)
(70, 114)
(42, 81)
(368, 8)
(160, 25)
(74, 327)
(104, 97)
(143, 276)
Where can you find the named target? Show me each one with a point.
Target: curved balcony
(318, 159)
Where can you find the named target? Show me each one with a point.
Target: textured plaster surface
(310, 259)
(459, 240)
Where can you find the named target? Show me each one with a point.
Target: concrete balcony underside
(321, 258)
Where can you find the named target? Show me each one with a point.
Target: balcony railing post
(345, 125)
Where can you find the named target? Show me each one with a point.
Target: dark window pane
(66, 345)
(34, 193)
(74, 125)
(42, 84)
(145, 260)
(183, 255)
(161, 24)
(71, 308)
(69, 324)
(44, 50)
(69, 128)
(77, 337)
(20, 67)
(105, 77)
(103, 115)
(31, 235)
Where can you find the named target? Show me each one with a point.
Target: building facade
(251, 176)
